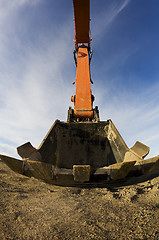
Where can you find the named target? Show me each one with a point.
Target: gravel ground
(32, 209)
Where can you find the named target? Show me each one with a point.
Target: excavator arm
(82, 22)
(83, 99)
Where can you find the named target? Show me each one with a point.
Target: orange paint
(82, 21)
(82, 100)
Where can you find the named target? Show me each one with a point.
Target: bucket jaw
(75, 153)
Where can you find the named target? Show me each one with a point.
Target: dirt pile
(31, 209)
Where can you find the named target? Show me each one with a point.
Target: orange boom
(82, 22)
(83, 100)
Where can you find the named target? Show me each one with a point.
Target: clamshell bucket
(75, 153)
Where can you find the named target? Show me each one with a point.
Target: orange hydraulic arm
(83, 100)
(82, 22)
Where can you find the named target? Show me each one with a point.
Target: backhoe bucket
(74, 153)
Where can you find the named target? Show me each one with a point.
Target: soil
(32, 209)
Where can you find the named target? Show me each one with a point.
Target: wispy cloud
(24, 2)
(135, 115)
(135, 112)
(103, 20)
(35, 90)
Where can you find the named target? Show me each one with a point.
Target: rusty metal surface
(17, 165)
(96, 144)
(25, 150)
(80, 175)
(140, 149)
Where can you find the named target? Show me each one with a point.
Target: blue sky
(37, 68)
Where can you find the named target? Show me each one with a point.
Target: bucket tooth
(140, 149)
(27, 151)
(137, 152)
(145, 166)
(116, 171)
(17, 165)
(81, 173)
(42, 170)
(120, 170)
